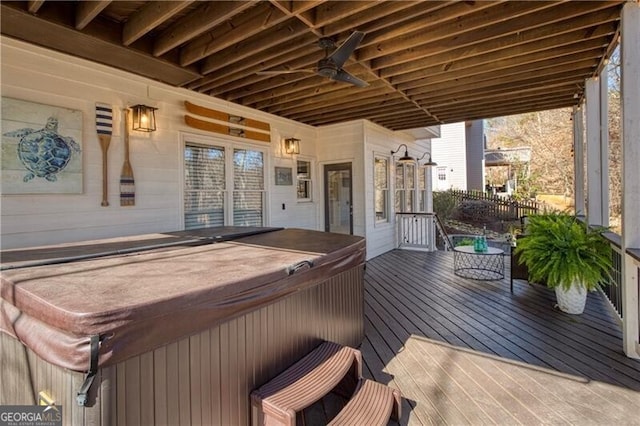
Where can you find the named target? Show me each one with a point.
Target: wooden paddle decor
(127, 184)
(211, 126)
(104, 126)
(223, 116)
(227, 124)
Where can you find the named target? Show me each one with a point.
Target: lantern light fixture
(292, 146)
(406, 158)
(430, 162)
(144, 118)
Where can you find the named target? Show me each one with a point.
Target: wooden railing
(613, 291)
(505, 208)
(415, 231)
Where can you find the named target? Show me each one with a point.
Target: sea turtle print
(44, 152)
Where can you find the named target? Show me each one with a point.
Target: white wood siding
(39, 75)
(381, 237)
(449, 151)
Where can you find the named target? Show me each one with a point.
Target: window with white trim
(422, 189)
(303, 180)
(209, 172)
(381, 182)
(405, 187)
(248, 187)
(204, 180)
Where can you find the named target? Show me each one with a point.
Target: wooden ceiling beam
(295, 90)
(24, 26)
(475, 83)
(511, 33)
(343, 93)
(328, 90)
(573, 31)
(554, 47)
(407, 122)
(505, 70)
(149, 17)
(380, 15)
(369, 107)
(476, 16)
(239, 70)
(33, 6)
(86, 11)
(276, 36)
(252, 22)
(561, 85)
(506, 110)
(511, 99)
(496, 88)
(202, 19)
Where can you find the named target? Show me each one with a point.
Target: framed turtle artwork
(41, 148)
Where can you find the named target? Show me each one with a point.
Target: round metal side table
(478, 265)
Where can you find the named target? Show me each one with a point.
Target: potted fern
(567, 255)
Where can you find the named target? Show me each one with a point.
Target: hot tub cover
(139, 301)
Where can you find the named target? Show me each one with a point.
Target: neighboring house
(504, 165)
(459, 153)
(343, 180)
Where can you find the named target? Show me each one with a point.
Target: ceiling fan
(331, 65)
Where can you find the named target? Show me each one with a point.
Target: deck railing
(613, 291)
(415, 231)
(505, 208)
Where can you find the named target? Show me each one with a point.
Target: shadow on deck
(469, 352)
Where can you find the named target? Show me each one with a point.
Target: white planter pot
(573, 300)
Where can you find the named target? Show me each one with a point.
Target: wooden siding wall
(449, 151)
(202, 379)
(343, 143)
(381, 236)
(38, 75)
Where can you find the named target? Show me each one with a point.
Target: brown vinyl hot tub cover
(140, 301)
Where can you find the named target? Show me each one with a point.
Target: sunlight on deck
(452, 385)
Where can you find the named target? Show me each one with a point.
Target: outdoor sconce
(428, 163)
(405, 158)
(144, 118)
(292, 146)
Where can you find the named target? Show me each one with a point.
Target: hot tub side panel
(202, 379)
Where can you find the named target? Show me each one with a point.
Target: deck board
(471, 352)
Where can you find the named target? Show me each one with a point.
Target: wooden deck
(470, 352)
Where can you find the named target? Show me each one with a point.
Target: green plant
(465, 242)
(559, 250)
(444, 204)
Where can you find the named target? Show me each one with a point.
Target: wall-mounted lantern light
(428, 163)
(144, 118)
(292, 146)
(405, 158)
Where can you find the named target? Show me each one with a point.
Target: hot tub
(174, 328)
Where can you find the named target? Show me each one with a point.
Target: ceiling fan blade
(344, 76)
(308, 71)
(342, 53)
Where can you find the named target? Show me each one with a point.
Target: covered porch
(469, 352)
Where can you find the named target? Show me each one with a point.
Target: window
(381, 179)
(405, 187)
(304, 180)
(209, 172)
(204, 179)
(422, 189)
(248, 187)
(442, 173)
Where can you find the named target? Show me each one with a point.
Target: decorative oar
(104, 125)
(127, 185)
